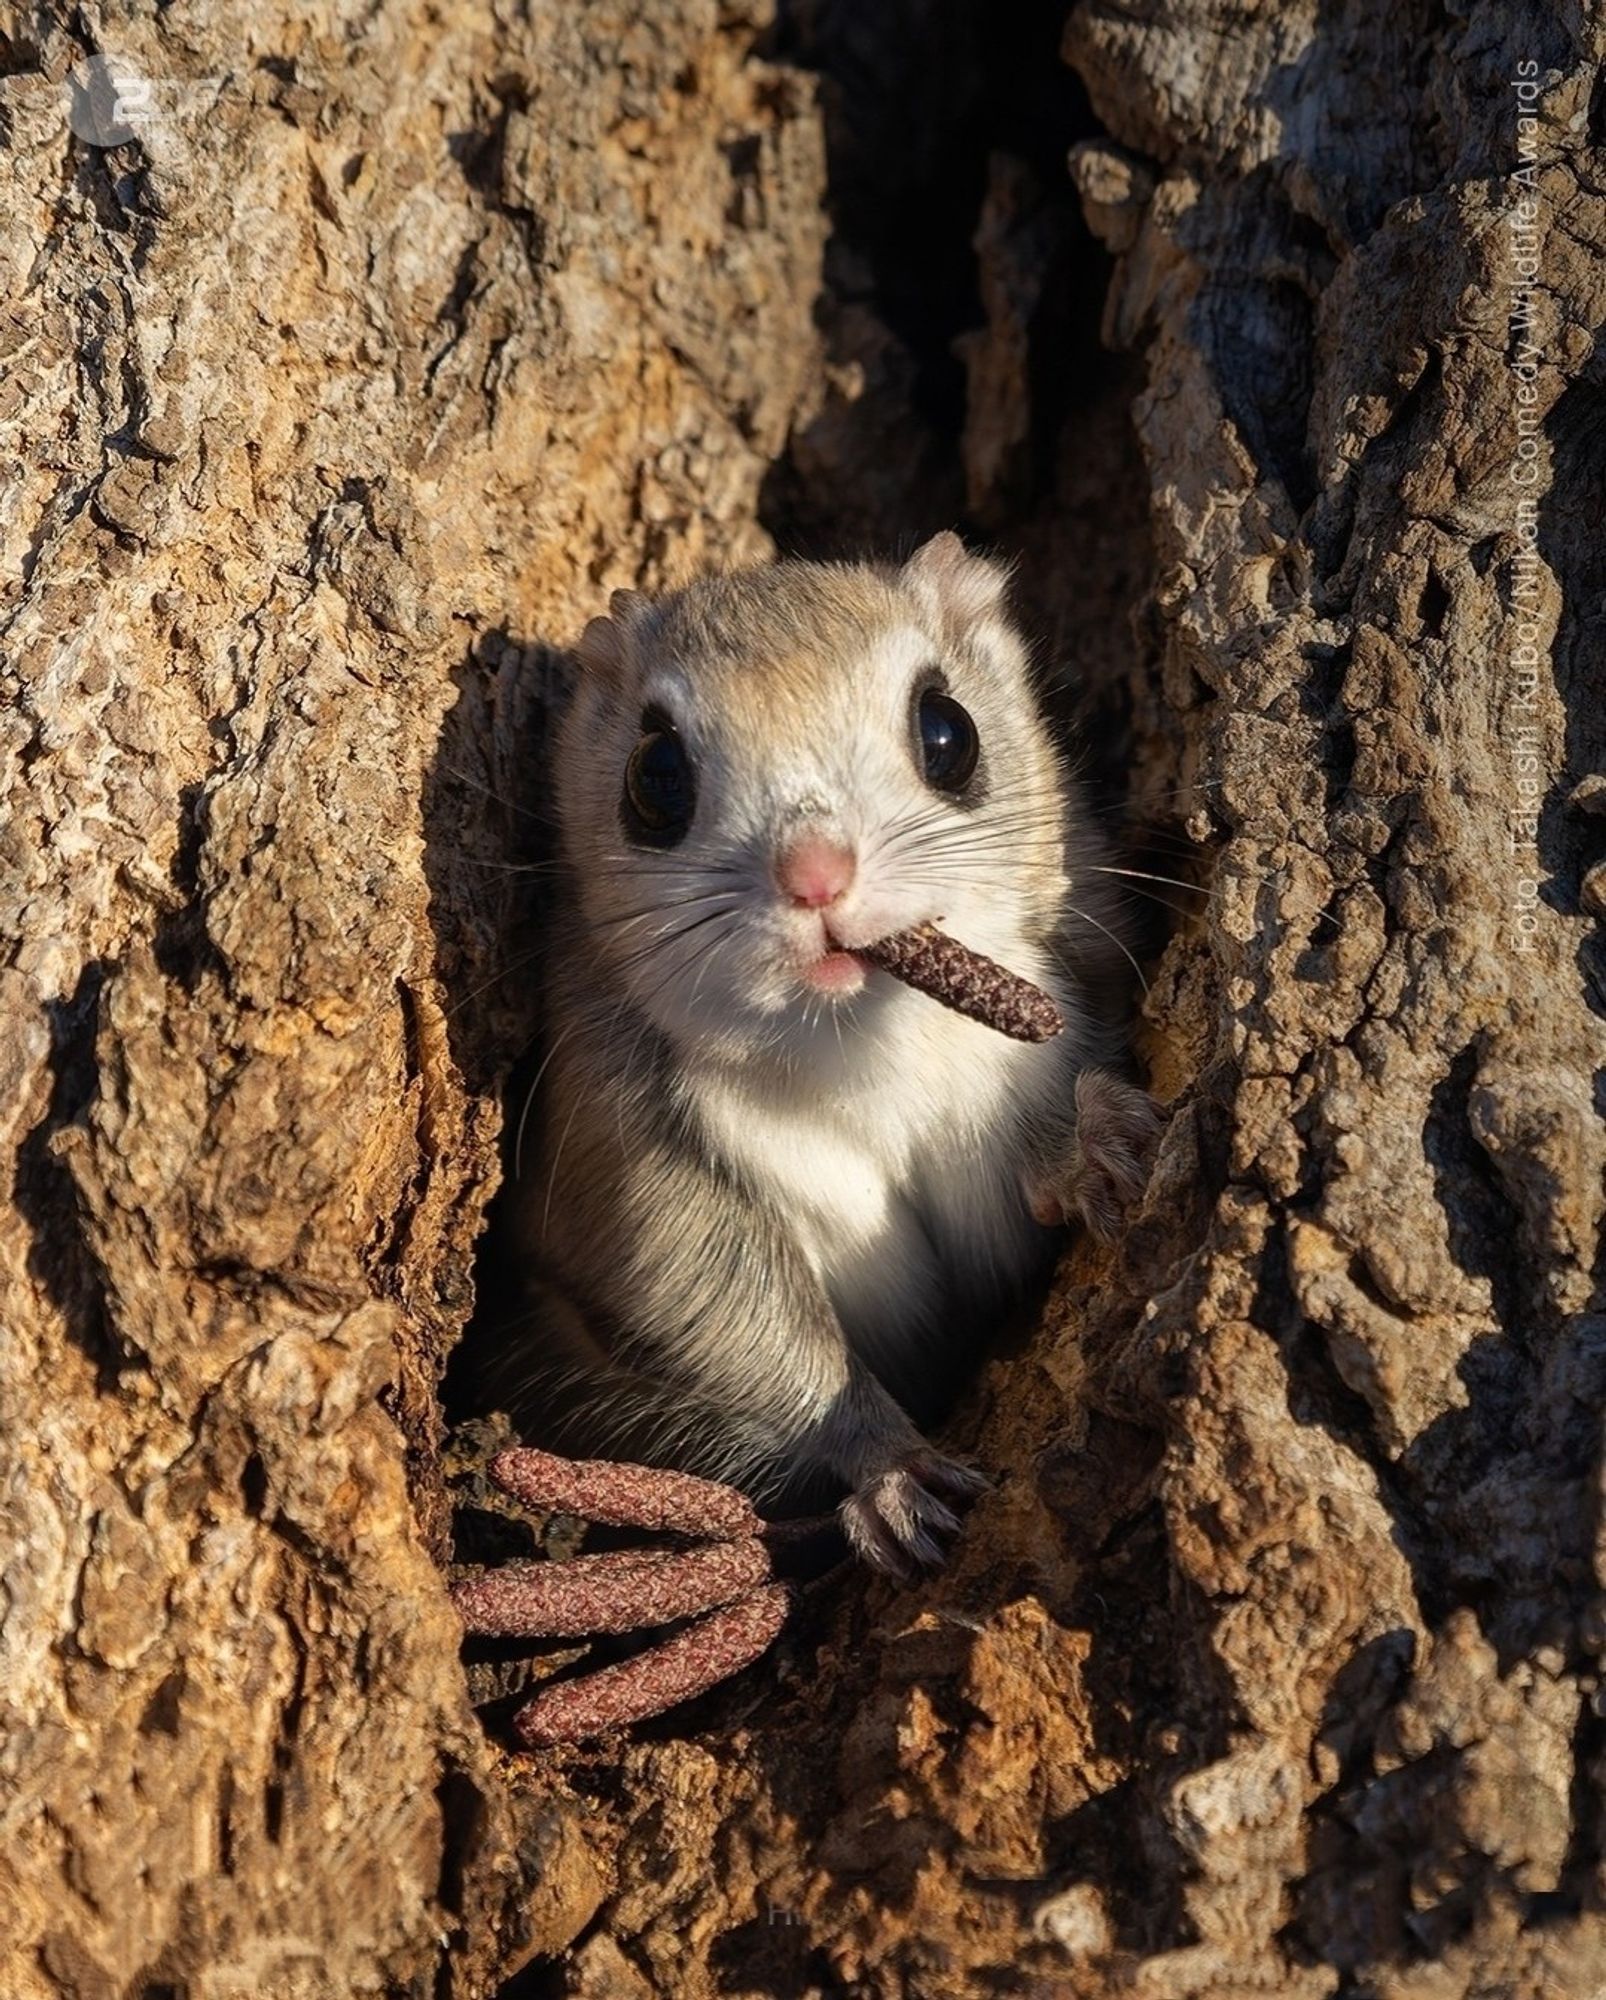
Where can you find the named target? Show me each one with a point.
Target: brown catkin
(618, 1592)
(626, 1496)
(689, 1664)
(933, 963)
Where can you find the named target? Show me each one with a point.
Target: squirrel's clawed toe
(1112, 1151)
(898, 1519)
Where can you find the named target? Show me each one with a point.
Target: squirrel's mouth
(834, 969)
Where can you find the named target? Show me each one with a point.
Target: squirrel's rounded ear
(953, 581)
(600, 648)
(602, 644)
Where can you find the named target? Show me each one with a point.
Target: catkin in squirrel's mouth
(929, 961)
(969, 982)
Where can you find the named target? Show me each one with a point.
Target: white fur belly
(896, 1166)
(894, 1232)
(862, 1236)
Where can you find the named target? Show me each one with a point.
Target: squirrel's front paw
(1118, 1128)
(898, 1519)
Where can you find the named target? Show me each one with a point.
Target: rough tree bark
(390, 342)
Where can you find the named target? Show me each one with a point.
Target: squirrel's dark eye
(949, 745)
(660, 792)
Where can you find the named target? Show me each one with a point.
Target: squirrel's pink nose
(814, 871)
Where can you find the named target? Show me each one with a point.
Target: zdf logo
(108, 101)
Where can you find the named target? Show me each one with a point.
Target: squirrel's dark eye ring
(660, 792)
(949, 745)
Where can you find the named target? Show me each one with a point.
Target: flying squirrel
(772, 1198)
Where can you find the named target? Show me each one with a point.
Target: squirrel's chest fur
(895, 1163)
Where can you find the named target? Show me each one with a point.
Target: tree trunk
(387, 342)
(348, 367)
